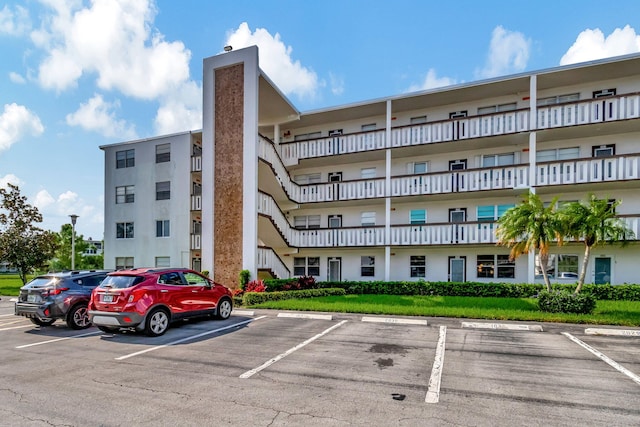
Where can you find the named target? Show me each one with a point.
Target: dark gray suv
(59, 296)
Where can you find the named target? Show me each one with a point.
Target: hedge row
(251, 298)
(469, 289)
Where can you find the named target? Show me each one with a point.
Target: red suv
(149, 299)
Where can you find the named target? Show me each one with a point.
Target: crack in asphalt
(184, 395)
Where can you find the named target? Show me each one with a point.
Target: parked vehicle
(149, 299)
(54, 296)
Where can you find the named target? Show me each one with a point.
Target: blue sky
(77, 74)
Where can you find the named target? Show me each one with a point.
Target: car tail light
(54, 291)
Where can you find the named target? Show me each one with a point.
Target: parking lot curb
(306, 316)
(614, 332)
(394, 320)
(503, 326)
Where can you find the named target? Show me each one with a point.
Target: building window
(162, 228)
(368, 173)
(124, 230)
(163, 261)
(305, 136)
(368, 127)
(418, 216)
(497, 108)
(368, 219)
(558, 154)
(163, 153)
(124, 263)
(418, 265)
(495, 266)
(418, 120)
(163, 190)
(306, 221)
(312, 178)
(559, 266)
(417, 168)
(560, 99)
(492, 213)
(306, 266)
(368, 266)
(603, 150)
(498, 160)
(125, 194)
(125, 159)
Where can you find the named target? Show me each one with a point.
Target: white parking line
(192, 337)
(635, 378)
(505, 326)
(5, 315)
(433, 392)
(394, 320)
(243, 312)
(281, 356)
(59, 339)
(15, 327)
(13, 322)
(306, 316)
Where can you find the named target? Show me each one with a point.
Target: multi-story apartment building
(407, 187)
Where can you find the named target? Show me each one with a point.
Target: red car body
(149, 299)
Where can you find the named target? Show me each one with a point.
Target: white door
(335, 269)
(457, 268)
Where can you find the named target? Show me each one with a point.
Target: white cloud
(9, 179)
(15, 122)
(508, 53)
(337, 84)
(113, 39)
(56, 210)
(592, 44)
(17, 78)
(431, 81)
(14, 23)
(99, 116)
(43, 200)
(181, 110)
(275, 59)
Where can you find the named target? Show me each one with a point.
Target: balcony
(399, 235)
(592, 170)
(615, 108)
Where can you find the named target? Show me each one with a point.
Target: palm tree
(593, 222)
(531, 226)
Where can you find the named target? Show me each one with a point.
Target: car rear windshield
(120, 282)
(41, 282)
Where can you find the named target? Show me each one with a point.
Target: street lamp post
(73, 241)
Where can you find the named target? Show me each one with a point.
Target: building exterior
(401, 188)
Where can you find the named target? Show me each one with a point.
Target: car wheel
(157, 323)
(224, 309)
(107, 329)
(78, 318)
(40, 322)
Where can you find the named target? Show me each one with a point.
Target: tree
(531, 226)
(22, 244)
(593, 222)
(62, 259)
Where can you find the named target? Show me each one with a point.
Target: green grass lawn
(10, 284)
(624, 313)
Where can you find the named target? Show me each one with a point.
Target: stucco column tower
(230, 165)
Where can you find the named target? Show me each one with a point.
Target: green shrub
(244, 278)
(252, 298)
(560, 301)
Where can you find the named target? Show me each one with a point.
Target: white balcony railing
(618, 168)
(196, 163)
(196, 203)
(268, 259)
(613, 108)
(196, 241)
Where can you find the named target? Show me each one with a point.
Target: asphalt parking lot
(270, 368)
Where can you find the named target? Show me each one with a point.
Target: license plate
(32, 298)
(107, 298)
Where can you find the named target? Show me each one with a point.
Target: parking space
(328, 369)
